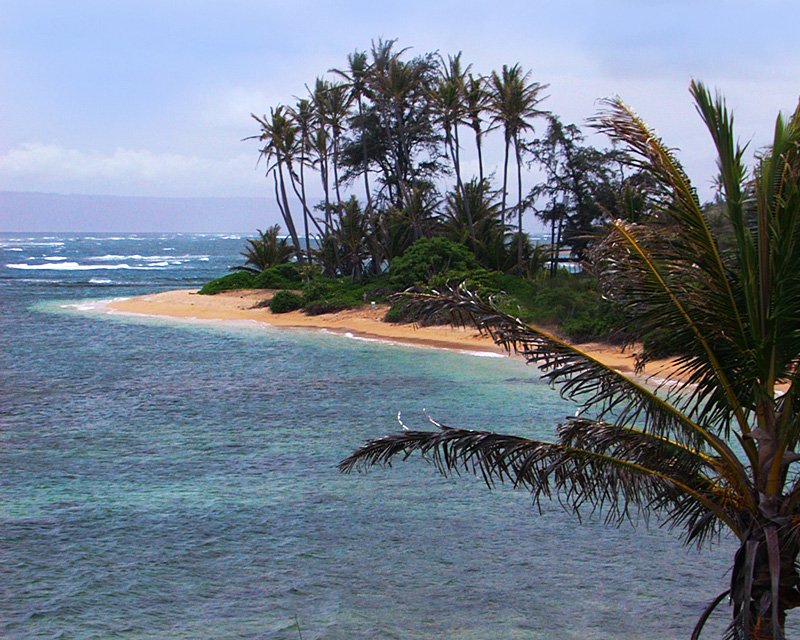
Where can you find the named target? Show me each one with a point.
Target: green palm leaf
(733, 318)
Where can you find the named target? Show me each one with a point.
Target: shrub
(326, 295)
(400, 312)
(235, 280)
(284, 301)
(281, 276)
(427, 258)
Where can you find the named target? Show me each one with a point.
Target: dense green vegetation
(568, 303)
(285, 301)
(712, 451)
(384, 139)
(230, 282)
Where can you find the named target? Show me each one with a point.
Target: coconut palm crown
(714, 451)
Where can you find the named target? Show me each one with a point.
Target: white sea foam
(112, 257)
(99, 281)
(415, 345)
(55, 258)
(30, 242)
(12, 249)
(162, 263)
(81, 306)
(74, 266)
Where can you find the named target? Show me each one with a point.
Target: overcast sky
(148, 97)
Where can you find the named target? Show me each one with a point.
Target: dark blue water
(165, 479)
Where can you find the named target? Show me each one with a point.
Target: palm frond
(619, 472)
(595, 386)
(682, 292)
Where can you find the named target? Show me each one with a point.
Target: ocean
(177, 479)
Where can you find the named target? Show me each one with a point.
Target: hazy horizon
(37, 212)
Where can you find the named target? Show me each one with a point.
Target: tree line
(383, 139)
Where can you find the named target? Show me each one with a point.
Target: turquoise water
(165, 479)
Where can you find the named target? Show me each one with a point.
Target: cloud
(37, 166)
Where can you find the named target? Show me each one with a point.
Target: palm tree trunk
(456, 154)
(364, 156)
(278, 198)
(288, 214)
(323, 174)
(306, 212)
(480, 156)
(764, 579)
(505, 190)
(336, 169)
(519, 205)
(301, 195)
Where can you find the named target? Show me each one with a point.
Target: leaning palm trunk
(455, 155)
(364, 155)
(731, 316)
(520, 268)
(505, 188)
(287, 212)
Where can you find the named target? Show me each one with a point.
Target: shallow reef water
(165, 479)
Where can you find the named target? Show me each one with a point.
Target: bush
(284, 301)
(400, 312)
(427, 258)
(235, 280)
(281, 276)
(326, 295)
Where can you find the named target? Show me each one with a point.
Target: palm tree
(400, 91)
(333, 95)
(352, 236)
(514, 101)
(279, 136)
(356, 82)
(265, 251)
(476, 101)
(303, 115)
(471, 218)
(448, 98)
(713, 453)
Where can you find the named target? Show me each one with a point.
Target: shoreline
(364, 322)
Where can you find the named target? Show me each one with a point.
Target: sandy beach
(366, 322)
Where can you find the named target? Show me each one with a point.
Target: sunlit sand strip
(364, 323)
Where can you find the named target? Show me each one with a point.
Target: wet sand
(366, 322)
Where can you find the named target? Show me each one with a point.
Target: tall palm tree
(279, 136)
(476, 101)
(303, 115)
(717, 451)
(448, 98)
(355, 78)
(514, 99)
(335, 112)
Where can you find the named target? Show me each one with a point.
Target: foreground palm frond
(618, 470)
(732, 316)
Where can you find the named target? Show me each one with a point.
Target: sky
(153, 98)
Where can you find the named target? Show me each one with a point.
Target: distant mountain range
(24, 211)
